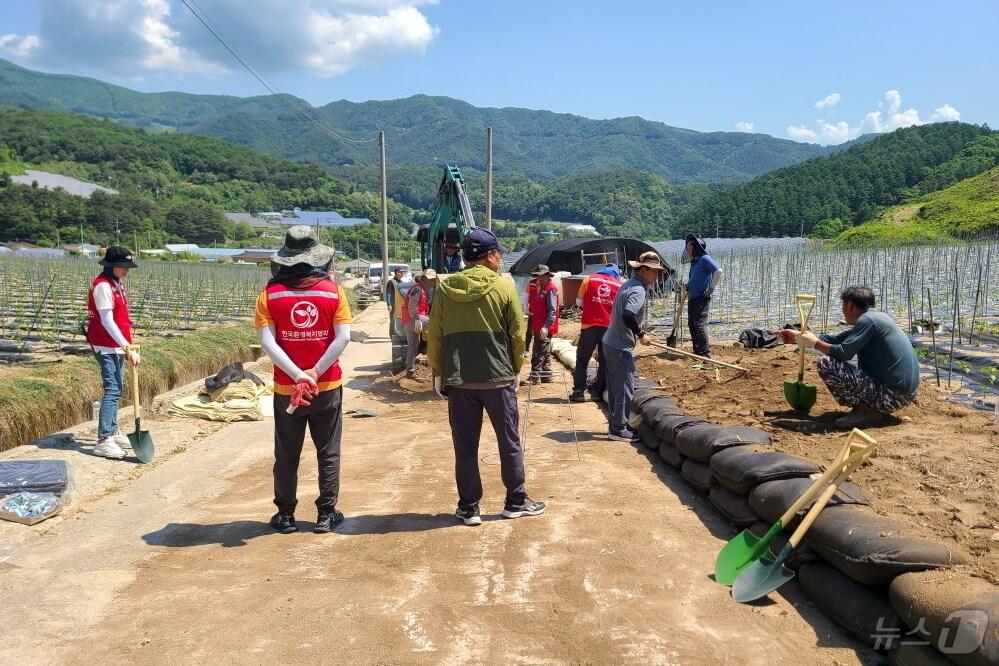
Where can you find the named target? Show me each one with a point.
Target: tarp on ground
(566, 255)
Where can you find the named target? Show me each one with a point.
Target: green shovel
(141, 440)
(746, 548)
(767, 574)
(799, 395)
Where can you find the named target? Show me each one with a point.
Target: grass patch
(38, 400)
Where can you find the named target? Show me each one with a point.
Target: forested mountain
(422, 130)
(827, 194)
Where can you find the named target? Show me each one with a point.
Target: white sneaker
(121, 440)
(108, 448)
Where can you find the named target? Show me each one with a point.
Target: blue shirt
(701, 270)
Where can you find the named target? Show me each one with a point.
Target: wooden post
(385, 257)
(489, 178)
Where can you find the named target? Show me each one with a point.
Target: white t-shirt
(104, 300)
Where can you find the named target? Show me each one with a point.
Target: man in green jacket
(475, 345)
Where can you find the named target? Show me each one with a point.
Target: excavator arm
(451, 219)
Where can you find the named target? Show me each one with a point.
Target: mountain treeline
(829, 194)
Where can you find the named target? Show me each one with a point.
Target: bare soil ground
(180, 566)
(937, 465)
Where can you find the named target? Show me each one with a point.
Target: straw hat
(649, 260)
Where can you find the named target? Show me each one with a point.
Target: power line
(203, 18)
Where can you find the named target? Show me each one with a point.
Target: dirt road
(180, 566)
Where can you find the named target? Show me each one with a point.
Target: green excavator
(450, 222)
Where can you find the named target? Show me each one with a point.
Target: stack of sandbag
(565, 352)
(237, 401)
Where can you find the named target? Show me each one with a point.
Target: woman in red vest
(109, 332)
(542, 303)
(304, 323)
(596, 298)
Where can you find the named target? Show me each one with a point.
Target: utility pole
(489, 178)
(385, 257)
(117, 232)
(135, 241)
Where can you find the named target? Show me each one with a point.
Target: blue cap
(480, 242)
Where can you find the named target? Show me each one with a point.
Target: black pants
(529, 335)
(697, 322)
(324, 418)
(589, 342)
(464, 408)
(541, 358)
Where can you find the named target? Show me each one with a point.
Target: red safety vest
(538, 308)
(303, 326)
(599, 300)
(422, 307)
(97, 335)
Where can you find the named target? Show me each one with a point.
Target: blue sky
(809, 71)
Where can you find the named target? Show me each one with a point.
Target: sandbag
(642, 396)
(670, 455)
(648, 436)
(654, 409)
(740, 469)
(697, 474)
(668, 426)
(701, 441)
(732, 506)
(771, 499)
(862, 610)
(873, 549)
(798, 556)
(917, 655)
(959, 613)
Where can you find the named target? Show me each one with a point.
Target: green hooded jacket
(476, 330)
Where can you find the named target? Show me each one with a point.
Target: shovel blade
(799, 395)
(744, 549)
(762, 577)
(142, 445)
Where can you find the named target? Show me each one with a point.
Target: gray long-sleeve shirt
(882, 350)
(631, 299)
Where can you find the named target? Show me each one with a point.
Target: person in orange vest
(109, 332)
(596, 298)
(542, 303)
(304, 323)
(415, 315)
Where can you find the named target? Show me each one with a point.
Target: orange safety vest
(598, 301)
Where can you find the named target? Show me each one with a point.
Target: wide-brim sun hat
(541, 269)
(649, 260)
(118, 257)
(302, 247)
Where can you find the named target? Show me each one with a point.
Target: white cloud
(17, 46)
(888, 118)
(828, 102)
(128, 37)
(945, 113)
(745, 126)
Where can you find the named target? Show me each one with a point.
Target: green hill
(422, 130)
(826, 194)
(966, 209)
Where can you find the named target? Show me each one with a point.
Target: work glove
(301, 396)
(418, 326)
(543, 333)
(806, 340)
(439, 387)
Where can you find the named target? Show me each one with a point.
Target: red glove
(302, 395)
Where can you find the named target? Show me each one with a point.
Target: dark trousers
(528, 336)
(620, 385)
(541, 358)
(324, 418)
(589, 342)
(464, 408)
(697, 322)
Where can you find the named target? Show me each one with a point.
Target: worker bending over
(886, 376)
(415, 315)
(596, 299)
(304, 323)
(542, 303)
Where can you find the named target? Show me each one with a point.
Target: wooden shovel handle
(846, 455)
(136, 402)
(805, 315)
(699, 358)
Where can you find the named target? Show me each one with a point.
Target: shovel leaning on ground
(671, 338)
(799, 395)
(746, 548)
(141, 440)
(766, 575)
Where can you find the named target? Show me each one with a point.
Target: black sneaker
(284, 523)
(597, 397)
(526, 508)
(577, 396)
(469, 514)
(327, 522)
(624, 435)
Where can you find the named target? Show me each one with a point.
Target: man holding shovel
(109, 332)
(304, 323)
(623, 333)
(886, 376)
